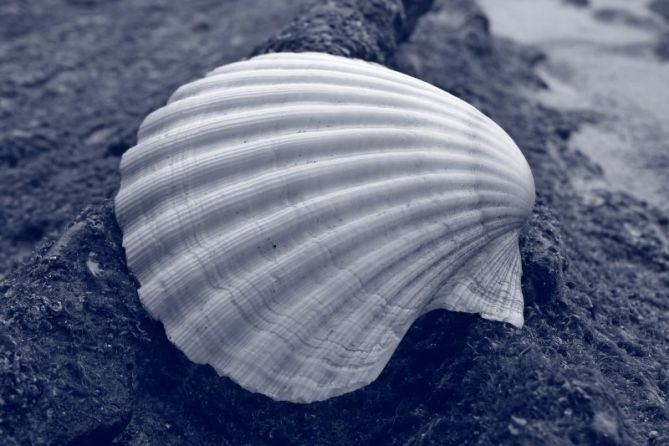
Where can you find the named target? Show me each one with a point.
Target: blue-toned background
(579, 85)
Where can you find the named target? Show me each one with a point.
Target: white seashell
(290, 216)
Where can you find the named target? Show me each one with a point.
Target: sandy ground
(81, 362)
(76, 79)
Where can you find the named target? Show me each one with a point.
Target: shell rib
(290, 216)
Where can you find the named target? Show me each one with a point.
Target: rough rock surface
(81, 363)
(369, 30)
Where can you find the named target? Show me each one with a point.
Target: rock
(67, 369)
(606, 429)
(369, 30)
(580, 3)
(660, 7)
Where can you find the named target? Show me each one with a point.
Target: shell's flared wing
(290, 216)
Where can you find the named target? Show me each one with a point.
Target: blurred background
(610, 57)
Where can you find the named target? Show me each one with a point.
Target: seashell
(290, 216)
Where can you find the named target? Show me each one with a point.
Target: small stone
(519, 421)
(92, 265)
(606, 426)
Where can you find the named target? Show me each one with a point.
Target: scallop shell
(290, 216)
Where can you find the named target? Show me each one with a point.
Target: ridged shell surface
(290, 216)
